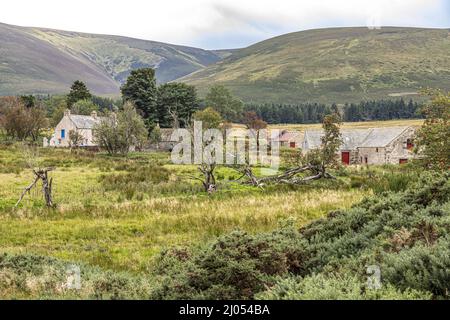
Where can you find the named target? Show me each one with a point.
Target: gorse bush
(236, 266)
(405, 233)
(31, 276)
(335, 287)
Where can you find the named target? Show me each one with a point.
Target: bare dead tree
(175, 118)
(30, 155)
(208, 179)
(41, 174)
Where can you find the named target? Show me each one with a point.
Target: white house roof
(85, 122)
(356, 138)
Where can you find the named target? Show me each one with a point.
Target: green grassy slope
(35, 60)
(334, 65)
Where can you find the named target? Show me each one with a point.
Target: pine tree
(78, 92)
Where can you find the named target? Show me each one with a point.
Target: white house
(84, 125)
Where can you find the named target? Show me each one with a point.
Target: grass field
(352, 125)
(103, 219)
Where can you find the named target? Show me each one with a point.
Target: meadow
(141, 227)
(119, 213)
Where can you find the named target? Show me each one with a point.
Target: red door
(345, 157)
(403, 161)
(292, 144)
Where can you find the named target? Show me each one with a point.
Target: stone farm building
(166, 143)
(389, 145)
(72, 122)
(288, 138)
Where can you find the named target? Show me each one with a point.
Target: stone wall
(397, 149)
(373, 155)
(392, 153)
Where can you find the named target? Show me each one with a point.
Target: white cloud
(197, 22)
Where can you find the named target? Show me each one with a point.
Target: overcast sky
(214, 24)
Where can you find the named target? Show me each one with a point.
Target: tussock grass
(119, 213)
(126, 236)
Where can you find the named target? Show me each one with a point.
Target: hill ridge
(334, 65)
(46, 60)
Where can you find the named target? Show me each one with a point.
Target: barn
(388, 145)
(288, 139)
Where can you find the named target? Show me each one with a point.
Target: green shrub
(235, 266)
(335, 287)
(31, 276)
(423, 267)
(405, 233)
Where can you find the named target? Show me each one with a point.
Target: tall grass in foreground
(128, 235)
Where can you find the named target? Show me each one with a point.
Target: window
(63, 133)
(409, 144)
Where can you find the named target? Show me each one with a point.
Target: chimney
(67, 112)
(94, 114)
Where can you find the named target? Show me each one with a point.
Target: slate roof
(85, 122)
(356, 138)
(381, 137)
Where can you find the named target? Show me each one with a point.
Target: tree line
(315, 112)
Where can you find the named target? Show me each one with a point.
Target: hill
(334, 65)
(36, 60)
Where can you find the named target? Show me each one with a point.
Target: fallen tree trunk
(287, 177)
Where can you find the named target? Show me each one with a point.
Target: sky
(217, 24)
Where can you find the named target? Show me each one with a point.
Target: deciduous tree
(176, 104)
(118, 133)
(433, 137)
(254, 123)
(83, 107)
(221, 99)
(210, 118)
(21, 122)
(75, 139)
